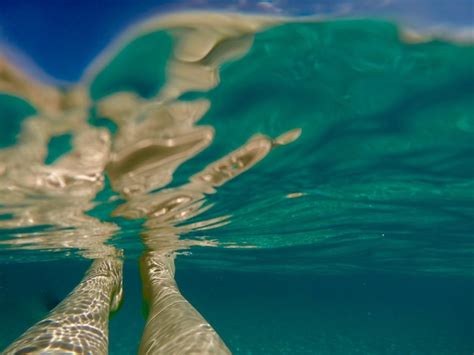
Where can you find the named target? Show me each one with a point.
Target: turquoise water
(356, 238)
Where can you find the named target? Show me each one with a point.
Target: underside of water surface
(314, 178)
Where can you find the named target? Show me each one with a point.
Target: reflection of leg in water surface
(79, 324)
(173, 325)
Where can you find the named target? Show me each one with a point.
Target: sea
(313, 176)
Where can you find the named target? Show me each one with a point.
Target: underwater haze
(313, 176)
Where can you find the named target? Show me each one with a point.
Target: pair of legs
(79, 324)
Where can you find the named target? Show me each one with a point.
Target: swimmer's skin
(79, 324)
(173, 325)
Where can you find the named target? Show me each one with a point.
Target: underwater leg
(79, 324)
(174, 326)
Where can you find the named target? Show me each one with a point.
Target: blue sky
(63, 36)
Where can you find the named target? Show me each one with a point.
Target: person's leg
(79, 324)
(173, 325)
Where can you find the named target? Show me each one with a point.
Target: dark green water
(377, 254)
(269, 313)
